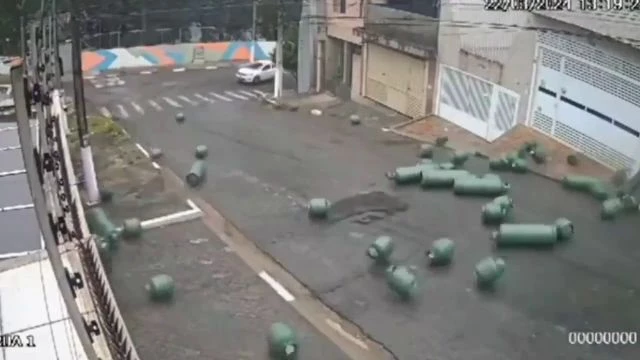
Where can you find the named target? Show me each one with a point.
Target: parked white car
(256, 72)
(7, 106)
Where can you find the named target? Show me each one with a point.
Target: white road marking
(261, 93)
(187, 100)
(172, 102)
(98, 85)
(211, 67)
(120, 82)
(89, 77)
(143, 150)
(279, 289)
(105, 112)
(224, 98)
(146, 72)
(155, 105)
(204, 98)
(338, 328)
(138, 108)
(248, 93)
(123, 112)
(179, 70)
(155, 165)
(230, 93)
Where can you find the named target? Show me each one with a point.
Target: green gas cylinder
(282, 342)
(180, 117)
(519, 165)
(601, 191)
(539, 154)
(201, 152)
(579, 182)
(319, 208)
(565, 229)
(402, 281)
(504, 201)
(407, 175)
(460, 158)
(447, 166)
(525, 235)
(480, 186)
(381, 249)
(197, 173)
(611, 208)
(132, 228)
(161, 288)
(499, 164)
(494, 214)
(100, 224)
(441, 178)
(488, 271)
(425, 151)
(441, 252)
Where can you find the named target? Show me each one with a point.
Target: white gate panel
(588, 99)
(479, 106)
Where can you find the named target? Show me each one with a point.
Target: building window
(343, 6)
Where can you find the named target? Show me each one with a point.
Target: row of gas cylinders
(613, 203)
(431, 175)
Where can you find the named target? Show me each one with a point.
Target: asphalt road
(264, 165)
(20, 230)
(221, 310)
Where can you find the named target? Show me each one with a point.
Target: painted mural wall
(173, 55)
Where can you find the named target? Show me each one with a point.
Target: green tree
(289, 51)
(10, 12)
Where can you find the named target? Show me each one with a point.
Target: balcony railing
(405, 28)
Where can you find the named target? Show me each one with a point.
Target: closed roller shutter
(396, 80)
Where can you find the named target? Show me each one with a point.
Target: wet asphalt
(264, 165)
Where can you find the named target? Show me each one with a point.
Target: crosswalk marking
(138, 108)
(172, 102)
(224, 98)
(261, 93)
(123, 112)
(236, 95)
(187, 100)
(155, 105)
(105, 112)
(203, 98)
(248, 93)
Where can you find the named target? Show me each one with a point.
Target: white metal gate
(479, 106)
(588, 99)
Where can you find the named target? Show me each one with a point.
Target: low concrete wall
(171, 55)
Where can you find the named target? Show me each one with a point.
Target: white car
(256, 72)
(7, 106)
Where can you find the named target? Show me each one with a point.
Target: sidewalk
(428, 129)
(432, 127)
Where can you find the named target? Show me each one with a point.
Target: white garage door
(477, 105)
(396, 80)
(588, 99)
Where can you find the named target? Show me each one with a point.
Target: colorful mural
(173, 55)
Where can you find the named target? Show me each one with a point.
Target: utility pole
(253, 30)
(56, 49)
(277, 83)
(88, 169)
(23, 40)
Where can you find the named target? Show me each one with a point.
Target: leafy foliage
(289, 51)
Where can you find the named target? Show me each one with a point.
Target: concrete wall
(342, 25)
(513, 49)
(167, 55)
